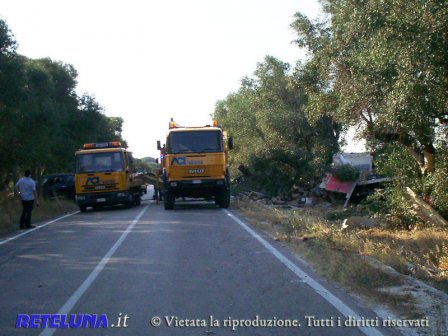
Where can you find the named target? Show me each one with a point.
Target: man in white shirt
(26, 188)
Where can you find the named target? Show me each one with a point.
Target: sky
(148, 61)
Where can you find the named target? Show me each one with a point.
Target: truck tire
(224, 198)
(82, 208)
(169, 200)
(129, 202)
(224, 195)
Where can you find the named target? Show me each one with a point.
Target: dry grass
(422, 253)
(344, 255)
(11, 208)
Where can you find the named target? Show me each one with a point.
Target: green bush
(346, 173)
(392, 160)
(396, 209)
(436, 184)
(377, 202)
(273, 174)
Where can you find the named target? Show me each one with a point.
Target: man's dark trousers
(25, 219)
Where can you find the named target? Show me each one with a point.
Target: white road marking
(318, 288)
(68, 306)
(36, 228)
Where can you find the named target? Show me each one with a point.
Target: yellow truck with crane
(104, 176)
(195, 164)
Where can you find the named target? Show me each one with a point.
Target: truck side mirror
(157, 160)
(158, 145)
(230, 143)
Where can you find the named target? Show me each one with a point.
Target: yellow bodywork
(103, 181)
(195, 166)
(104, 176)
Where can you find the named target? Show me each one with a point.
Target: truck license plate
(197, 181)
(99, 200)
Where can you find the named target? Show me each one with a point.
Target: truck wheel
(169, 200)
(137, 200)
(82, 208)
(224, 194)
(129, 202)
(224, 198)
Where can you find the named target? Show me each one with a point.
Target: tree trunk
(429, 154)
(417, 155)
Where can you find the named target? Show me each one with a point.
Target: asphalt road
(195, 270)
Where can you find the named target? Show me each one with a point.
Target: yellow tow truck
(104, 176)
(195, 164)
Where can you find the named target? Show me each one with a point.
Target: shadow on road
(193, 204)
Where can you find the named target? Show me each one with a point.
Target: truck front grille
(106, 187)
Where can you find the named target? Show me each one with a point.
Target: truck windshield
(194, 142)
(99, 162)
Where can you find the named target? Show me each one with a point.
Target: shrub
(346, 173)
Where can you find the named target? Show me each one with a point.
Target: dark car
(58, 185)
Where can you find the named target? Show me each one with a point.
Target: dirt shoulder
(399, 274)
(10, 210)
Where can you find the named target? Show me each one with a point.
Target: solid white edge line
(318, 288)
(36, 228)
(70, 303)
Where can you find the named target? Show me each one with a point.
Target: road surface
(195, 270)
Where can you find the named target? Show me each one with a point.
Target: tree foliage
(274, 139)
(382, 66)
(42, 119)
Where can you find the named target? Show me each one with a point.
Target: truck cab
(195, 164)
(104, 176)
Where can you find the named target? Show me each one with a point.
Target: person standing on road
(26, 188)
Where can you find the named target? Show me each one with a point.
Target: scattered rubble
(358, 222)
(330, 191)
(366, 180)
(333, 194)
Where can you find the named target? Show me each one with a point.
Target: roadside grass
(11, 209)
(346, 256)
